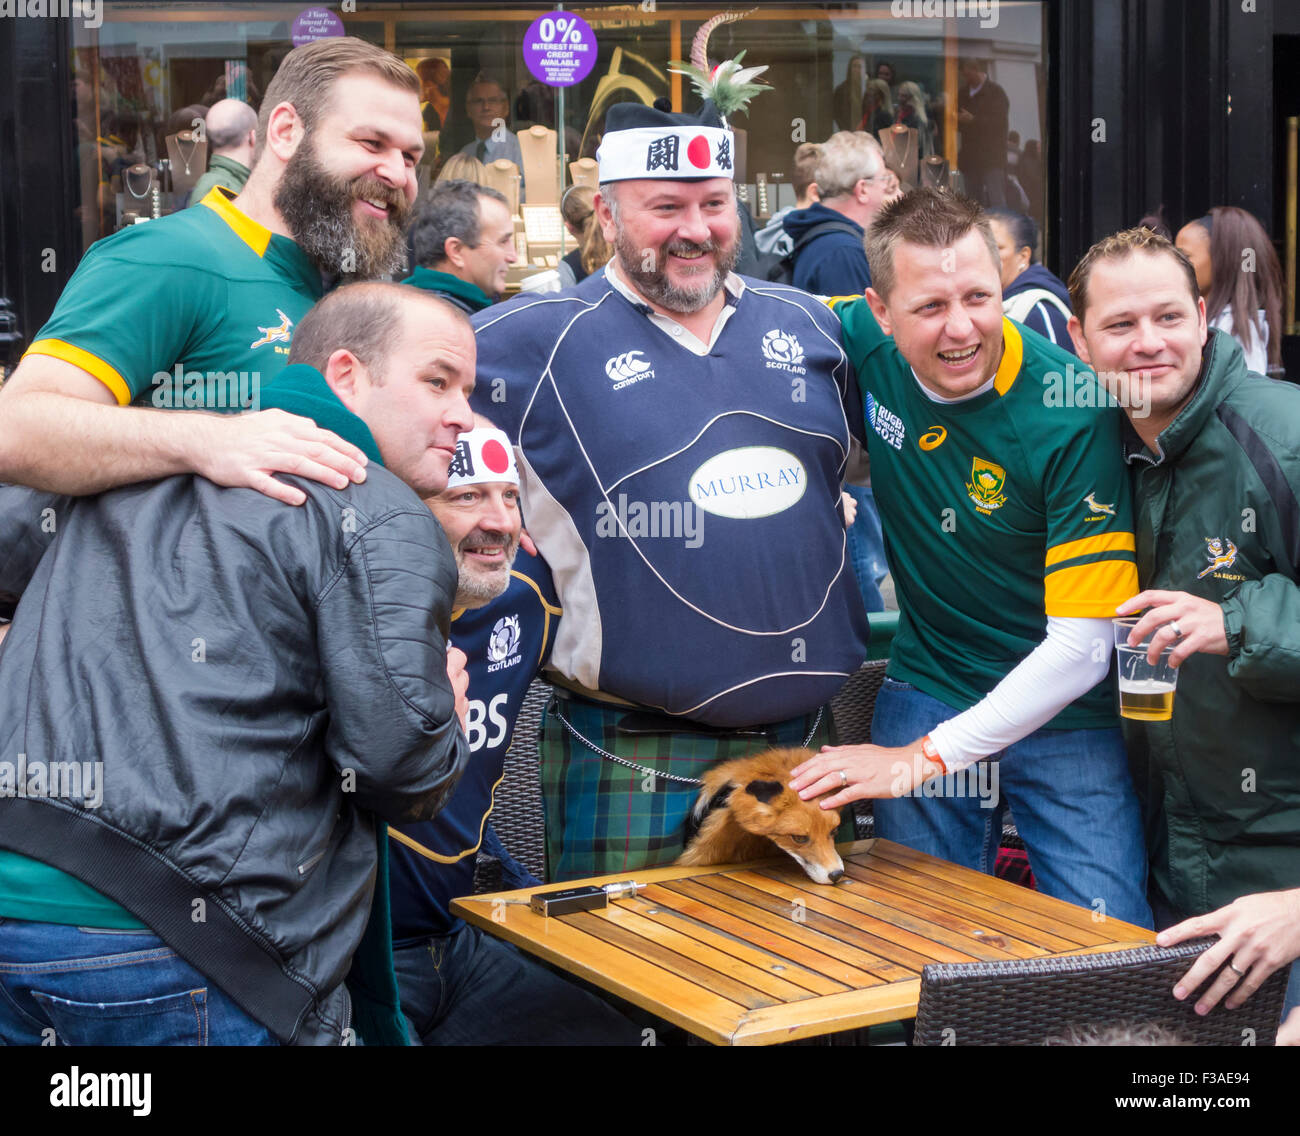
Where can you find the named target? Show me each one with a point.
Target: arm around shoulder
(61, 430)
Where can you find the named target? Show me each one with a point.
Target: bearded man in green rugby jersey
(197, 309)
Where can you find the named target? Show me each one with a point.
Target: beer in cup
(1146, 690)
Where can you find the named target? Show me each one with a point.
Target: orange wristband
(931, 752)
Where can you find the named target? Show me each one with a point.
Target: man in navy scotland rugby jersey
(682, 441)
(458, 985)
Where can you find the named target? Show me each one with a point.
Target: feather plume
(728, 85)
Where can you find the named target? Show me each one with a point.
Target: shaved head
(228, 122)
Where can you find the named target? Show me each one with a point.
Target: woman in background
(463, 167)
(911, 112)
(578, 209)
(877, 108)
(1240, 278)
(1031, 294)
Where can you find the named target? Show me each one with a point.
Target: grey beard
(474, 592)
(656, 287)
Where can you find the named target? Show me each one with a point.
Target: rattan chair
(1042, 1001)
(852, 709)
(518, 816)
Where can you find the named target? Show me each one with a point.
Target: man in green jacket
(232, 133)
(463, 240)
(1215, 455)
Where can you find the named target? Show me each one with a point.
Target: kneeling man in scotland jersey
(458, 985)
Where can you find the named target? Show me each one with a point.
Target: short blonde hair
(463, 167)
(307, 75)
(1118, 246)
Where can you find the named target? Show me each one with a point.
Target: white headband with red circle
(674, 152)
(483, 454)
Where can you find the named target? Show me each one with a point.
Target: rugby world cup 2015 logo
(783, 352)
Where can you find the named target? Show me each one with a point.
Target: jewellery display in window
(899, 145)
(138, 181)
(934, 173)
(188, 154)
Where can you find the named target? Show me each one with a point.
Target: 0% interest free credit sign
(560, 49)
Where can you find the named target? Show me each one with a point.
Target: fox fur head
(746, 805)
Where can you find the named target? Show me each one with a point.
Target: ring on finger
(1173, 626)
(844, 780)
(1238, 973)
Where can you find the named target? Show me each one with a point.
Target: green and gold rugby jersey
(998, 512)
(194, 310)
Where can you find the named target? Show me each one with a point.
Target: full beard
(654, 284)
(317, 207)
(477, 587)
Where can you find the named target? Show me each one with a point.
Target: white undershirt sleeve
(1069, 662)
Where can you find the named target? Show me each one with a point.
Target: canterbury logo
(933, 438)
(627, 366)
(274, 334)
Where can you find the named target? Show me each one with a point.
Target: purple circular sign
(315, 23)
(560, 49)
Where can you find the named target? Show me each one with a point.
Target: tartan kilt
(603, 818)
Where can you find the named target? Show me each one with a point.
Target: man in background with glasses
(487, 106)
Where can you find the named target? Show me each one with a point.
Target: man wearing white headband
(681, 440)
(458, 985)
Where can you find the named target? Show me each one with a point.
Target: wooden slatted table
(756, 954)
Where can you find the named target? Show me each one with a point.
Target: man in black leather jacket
(249, 691)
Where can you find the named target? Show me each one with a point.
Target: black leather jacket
(260, 682)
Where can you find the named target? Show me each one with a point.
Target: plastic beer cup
(1146, 690)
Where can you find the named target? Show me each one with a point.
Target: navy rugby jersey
(688, 505)
(507, 642)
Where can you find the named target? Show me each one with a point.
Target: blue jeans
(1070, 792)
(91, 986)
(867, 548)
(468, 988)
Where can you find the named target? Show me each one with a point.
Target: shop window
(142, 79)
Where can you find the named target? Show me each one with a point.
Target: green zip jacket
(1216, 515)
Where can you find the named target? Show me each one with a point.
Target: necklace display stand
(899, 145)
(189, 159)
(584, 172)
(139, 198)
(537, 144)
(503, 176)
(934, 173)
